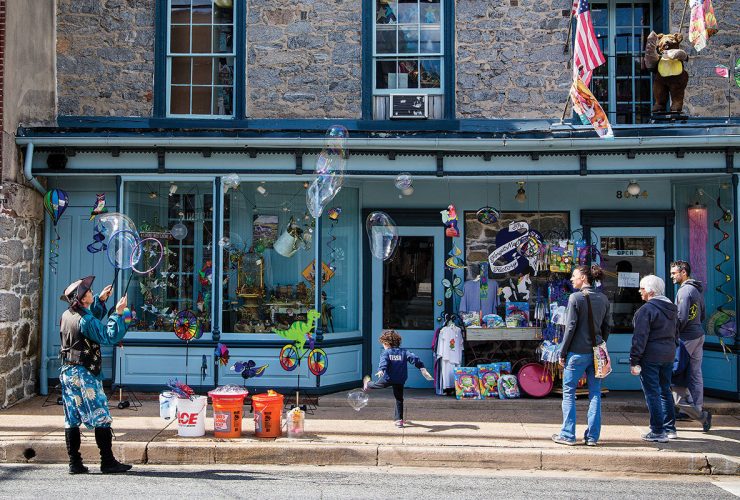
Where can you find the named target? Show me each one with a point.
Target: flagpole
(566, 48)
(683, 16)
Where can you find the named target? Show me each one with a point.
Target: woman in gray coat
(577, 354)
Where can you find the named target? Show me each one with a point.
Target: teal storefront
(246, 264)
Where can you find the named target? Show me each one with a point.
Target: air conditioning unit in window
(405, 106)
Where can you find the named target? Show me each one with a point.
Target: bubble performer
(82, 333)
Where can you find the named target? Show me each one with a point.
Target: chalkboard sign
(409, 106)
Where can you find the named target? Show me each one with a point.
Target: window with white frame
(408, 46)
(623, 85)
(200, 58)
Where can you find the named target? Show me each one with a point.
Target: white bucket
(191, 416)
(167, 405)
(286, 245)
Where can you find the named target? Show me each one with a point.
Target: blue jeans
(656, 384)
(575, 365)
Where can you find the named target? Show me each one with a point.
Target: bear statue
(665, 58)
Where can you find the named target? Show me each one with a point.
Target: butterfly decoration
(452, 287)
(249, 369)
(455, 262)
(99, 206)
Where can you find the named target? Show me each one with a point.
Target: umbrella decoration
(55, 203)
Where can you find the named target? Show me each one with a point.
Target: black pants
(397, 393)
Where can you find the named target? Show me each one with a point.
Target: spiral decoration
(333, 217)
(717, 325)
(54, 251)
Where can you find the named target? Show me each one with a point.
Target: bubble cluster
(330, 167)
(357, 399)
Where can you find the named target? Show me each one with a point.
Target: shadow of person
(441, 428)
(213, 475)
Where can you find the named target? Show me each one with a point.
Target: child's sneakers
(400, 423)
(365, 380)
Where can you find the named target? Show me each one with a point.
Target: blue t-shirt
(393, 364)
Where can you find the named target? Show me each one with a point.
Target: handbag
(602, 362)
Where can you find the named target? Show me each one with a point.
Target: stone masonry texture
(105, 57)
(21, 241)
(304, 58)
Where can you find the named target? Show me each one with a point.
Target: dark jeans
(656, 384)
(397, 393)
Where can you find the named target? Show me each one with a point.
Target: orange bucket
(268, 414)
(227, 414)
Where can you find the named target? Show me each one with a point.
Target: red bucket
(534, 380)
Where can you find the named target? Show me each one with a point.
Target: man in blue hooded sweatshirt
(691, 314)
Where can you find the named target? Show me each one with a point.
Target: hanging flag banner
(703, 23)
(722, 70)
(589, 110)
(509, 252)
(587, 53)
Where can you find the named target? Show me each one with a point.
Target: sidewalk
(512, 434)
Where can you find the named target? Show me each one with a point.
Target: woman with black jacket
(654, 344)
(577, 354)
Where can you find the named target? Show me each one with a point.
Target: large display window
(179, 215)
(269, 258)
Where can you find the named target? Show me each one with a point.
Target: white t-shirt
(450, 344)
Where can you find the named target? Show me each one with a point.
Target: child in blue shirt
(392, 370)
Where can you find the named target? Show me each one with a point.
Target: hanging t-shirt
(450, 352)
(471, 300)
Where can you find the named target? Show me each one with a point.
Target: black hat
(77, 289)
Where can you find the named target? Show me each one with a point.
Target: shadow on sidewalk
(441, 428)
(214, 475)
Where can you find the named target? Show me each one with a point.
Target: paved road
(225, 481)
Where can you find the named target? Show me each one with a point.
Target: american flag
(587, 53)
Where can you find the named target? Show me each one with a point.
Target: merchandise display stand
(54, 398)
(132, 401)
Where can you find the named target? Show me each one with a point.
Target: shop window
(623, 85)
(200, 58)
(268, 255)
(180, 216)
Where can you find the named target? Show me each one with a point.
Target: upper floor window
(622, 85)
(200, 58)
(408, 46)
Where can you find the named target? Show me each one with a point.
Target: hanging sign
(625, 253)
(628, 280)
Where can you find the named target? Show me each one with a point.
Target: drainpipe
(28, 162)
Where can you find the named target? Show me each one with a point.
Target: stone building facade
(28, 98)
(304, 59)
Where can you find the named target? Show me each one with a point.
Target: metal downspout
(27, 164)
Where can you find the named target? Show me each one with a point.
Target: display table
(484, 334)
(483, 345)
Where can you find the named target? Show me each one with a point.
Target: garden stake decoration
(187, 328)
(55, 203)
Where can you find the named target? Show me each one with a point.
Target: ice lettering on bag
(188, 418)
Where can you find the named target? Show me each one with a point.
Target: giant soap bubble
(112, 222)
(357, 399)
(382, 235)
(330, 167)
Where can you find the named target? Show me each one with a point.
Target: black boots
(72, 437)
(108, 463)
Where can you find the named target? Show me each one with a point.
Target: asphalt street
(226, 481)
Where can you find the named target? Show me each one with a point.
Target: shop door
(627, 255)
(75, 233)
(407, 295)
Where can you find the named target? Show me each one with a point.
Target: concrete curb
(313, 453)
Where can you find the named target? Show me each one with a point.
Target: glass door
(627, 255)
(407, 294)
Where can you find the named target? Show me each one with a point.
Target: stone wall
(303, 59)
(706, 93)
(21, 241)
(510, 61)
(105, 57)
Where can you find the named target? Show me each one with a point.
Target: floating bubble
(225, 242)
(382, 235)
(330, 168)
(113, 222)
(336, 138)
(405, 183)
(179, 231)
(357, 399)
(230, 181)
